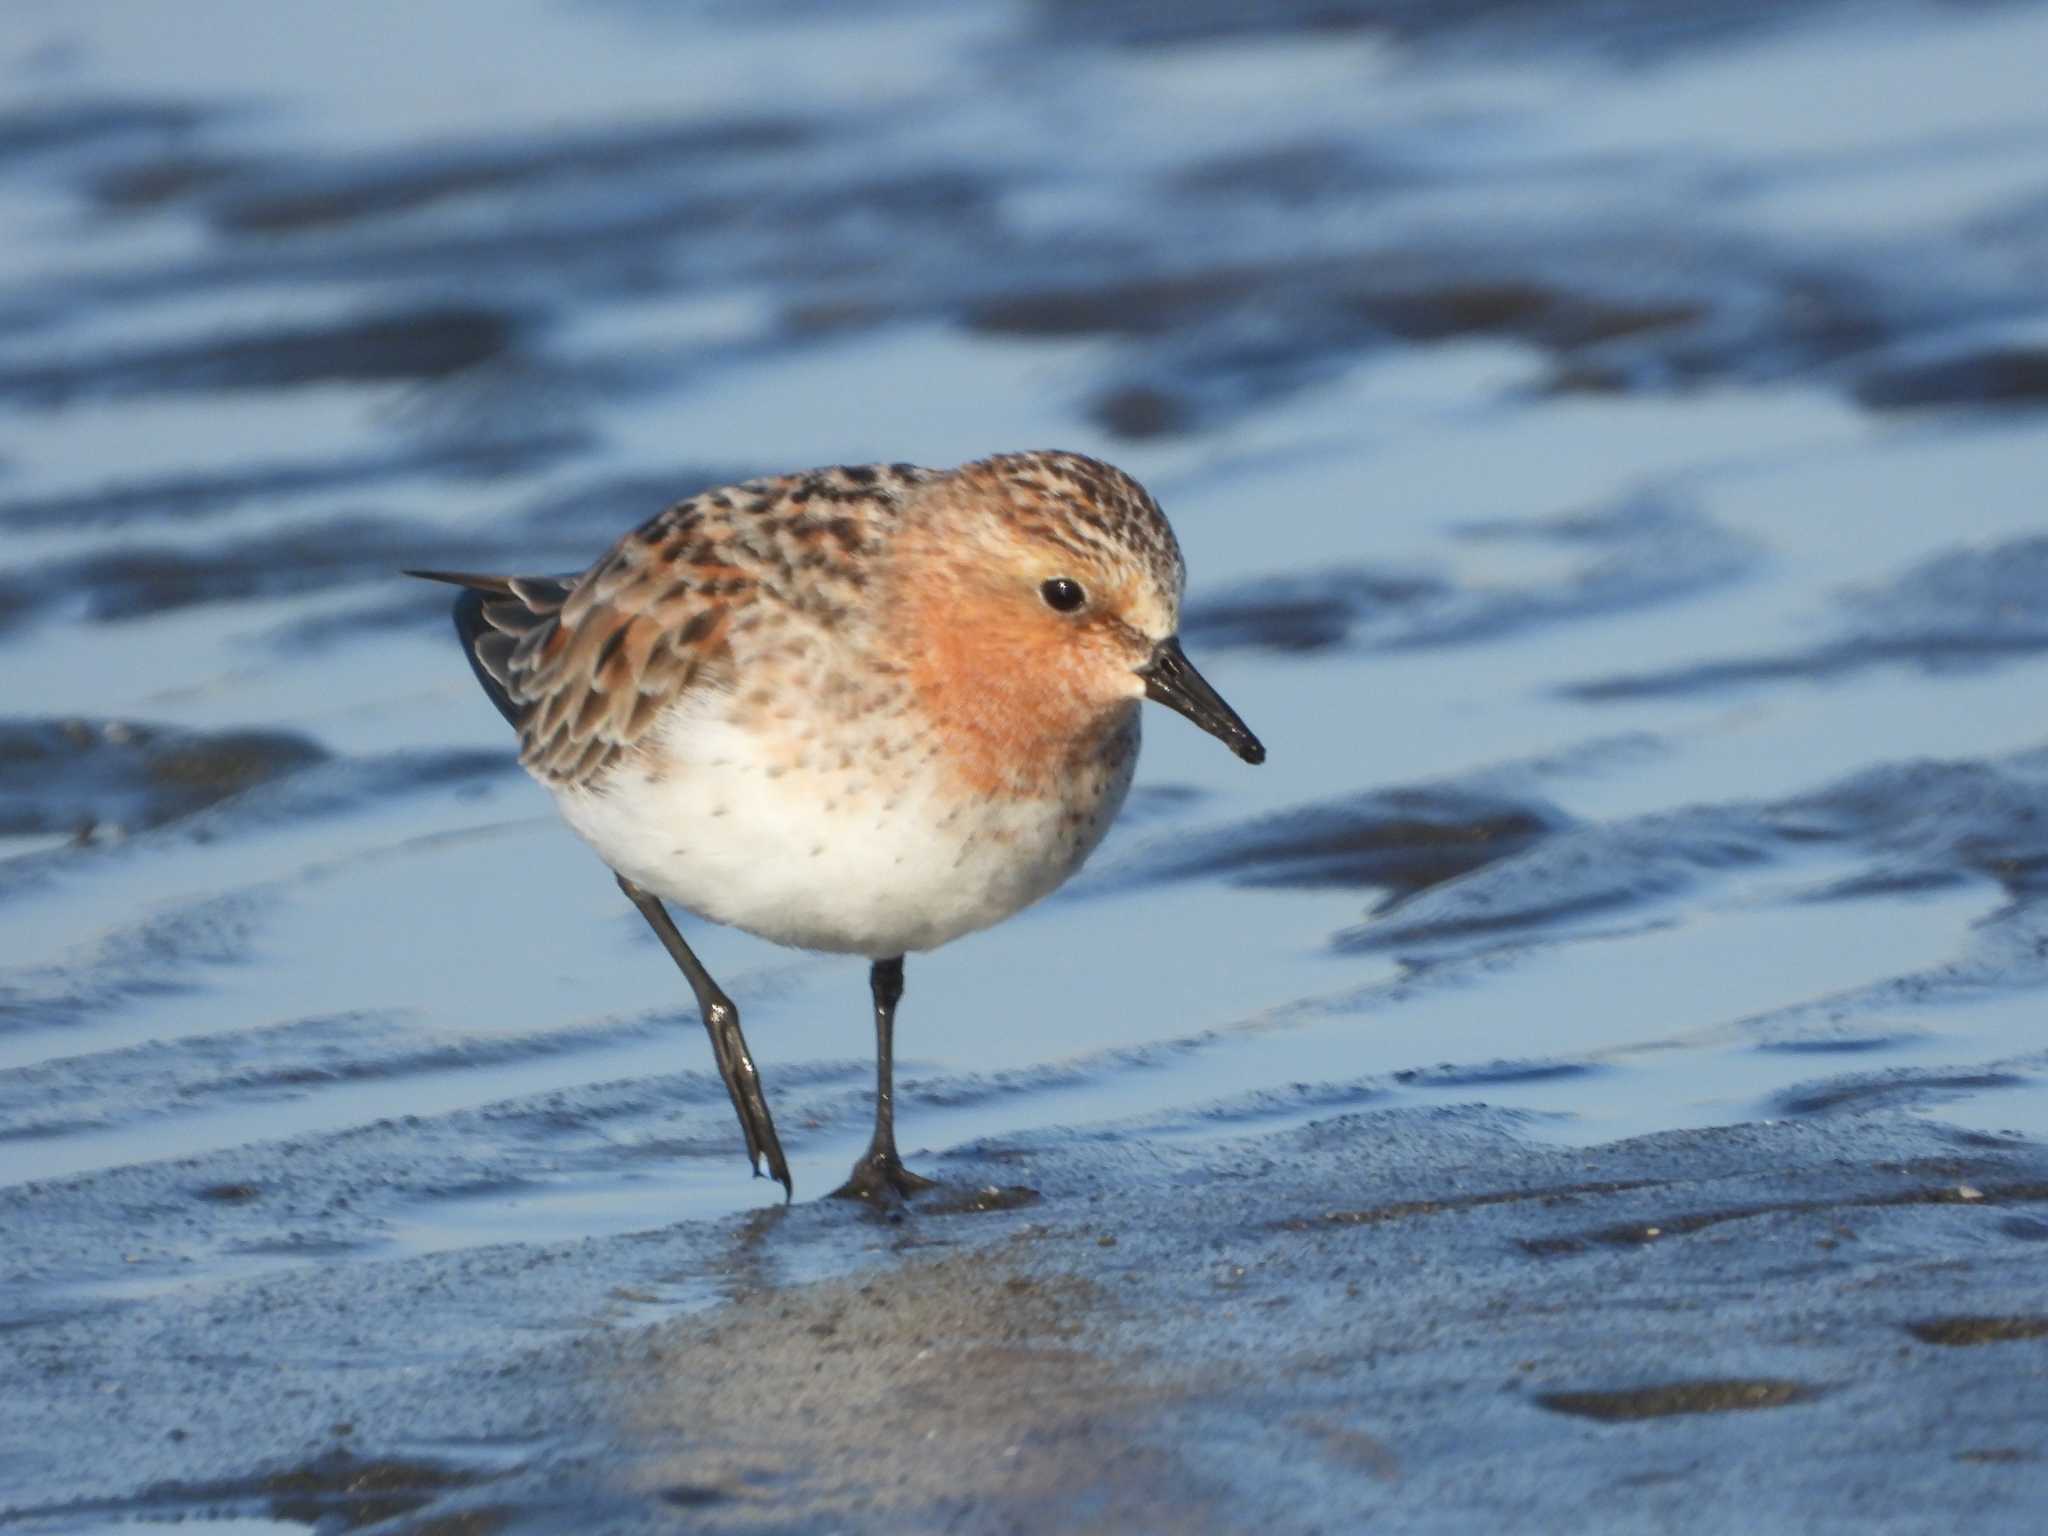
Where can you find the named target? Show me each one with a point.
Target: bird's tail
(492, 615)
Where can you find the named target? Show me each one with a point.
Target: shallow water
(1608, 450)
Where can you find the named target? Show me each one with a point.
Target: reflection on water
(1608, 460)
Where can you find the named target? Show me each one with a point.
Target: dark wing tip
(476, 632)
(484, 642)
(475, 583)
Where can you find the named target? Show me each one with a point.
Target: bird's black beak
(1171, 679)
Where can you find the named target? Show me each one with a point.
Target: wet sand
(1417, 1321)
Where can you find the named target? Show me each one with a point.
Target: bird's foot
(758, 1128)
(778, 1170)
(880, 1179)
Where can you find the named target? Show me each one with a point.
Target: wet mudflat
(1591, 1078)
(1400, 1317)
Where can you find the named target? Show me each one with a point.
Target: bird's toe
(880, 1179)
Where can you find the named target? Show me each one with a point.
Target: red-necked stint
(864, 709)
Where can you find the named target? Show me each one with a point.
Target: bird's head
(1040, 597)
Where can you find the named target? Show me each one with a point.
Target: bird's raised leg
(728, 1045)
(880, 1177)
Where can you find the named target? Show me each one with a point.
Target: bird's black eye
(1063, 594)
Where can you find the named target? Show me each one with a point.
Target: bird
(861, 709)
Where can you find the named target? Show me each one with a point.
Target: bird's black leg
(728, 1045)
(880, 1177)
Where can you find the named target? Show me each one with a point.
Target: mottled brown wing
(582, 666)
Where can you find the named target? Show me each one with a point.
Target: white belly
(836, 860)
